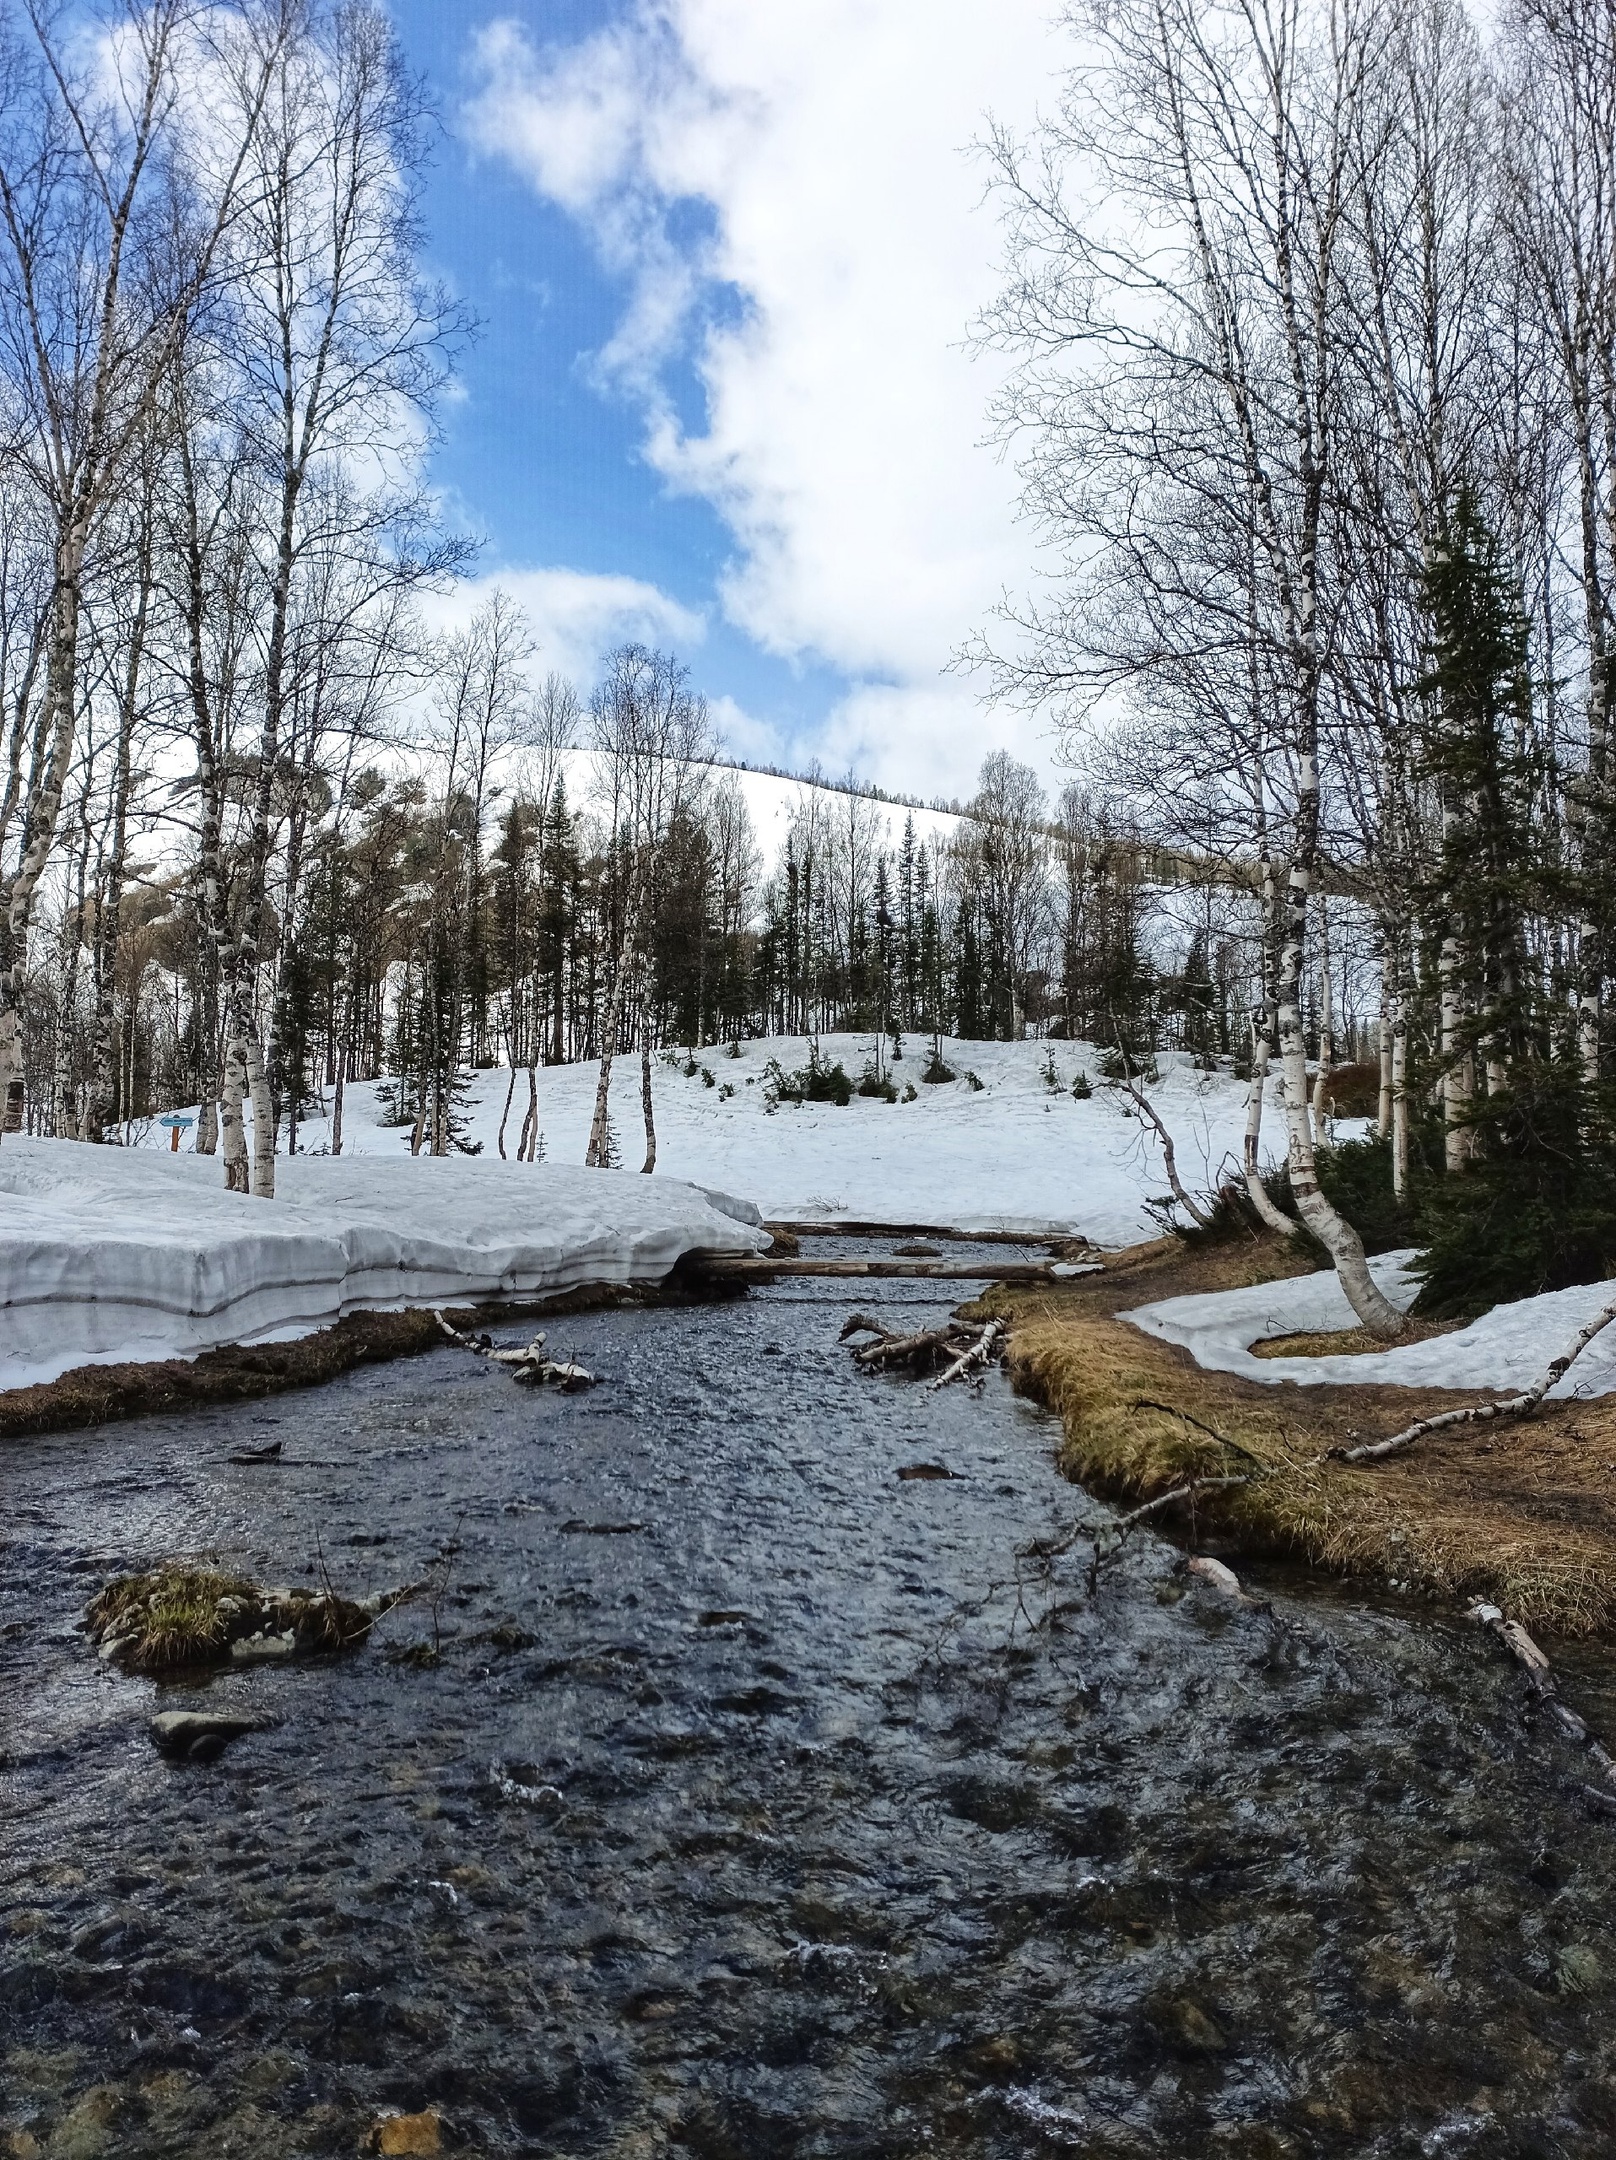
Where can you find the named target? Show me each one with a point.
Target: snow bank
(1506, 1349)
(1010, 1155)
(109, 1254)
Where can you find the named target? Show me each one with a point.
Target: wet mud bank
(722, 1797)
(247, 1372)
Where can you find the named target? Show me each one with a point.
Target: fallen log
(964, 1346)
(759, 1267)
(1540, 1678)
(822, 1228)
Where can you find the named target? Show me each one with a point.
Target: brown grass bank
(1523, 1513)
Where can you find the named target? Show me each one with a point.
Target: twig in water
(1540, 1678)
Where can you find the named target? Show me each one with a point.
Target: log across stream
(727, 1794)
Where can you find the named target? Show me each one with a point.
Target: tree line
(1311, 317)
(261, 830)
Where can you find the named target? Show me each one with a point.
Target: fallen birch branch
(1540, 1678)
(976, 1355)
(528, 1364)
(959, 1346)
(1480, 1413)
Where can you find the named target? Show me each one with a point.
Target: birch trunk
(649, 1163)
(1383, 1108)
(595, 1154)
(1374, 1309)
(531, 1124)
(1400, 1102)
(263, 1154)
(232, 1134)
(1321, 1078)
(1456, 1089)
(339, 1090)
(1262, 1051)
(56, 729)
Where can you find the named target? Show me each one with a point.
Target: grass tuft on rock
(172, 1617)
(176, 1617)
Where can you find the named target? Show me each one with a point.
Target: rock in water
(421, 2133)
(198, 1735)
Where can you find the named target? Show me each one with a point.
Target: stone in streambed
(198, 1735)
(406, 2134)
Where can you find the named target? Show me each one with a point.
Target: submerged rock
(395, 2133)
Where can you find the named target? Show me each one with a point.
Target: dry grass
(179, 1617)
(1524, 1514)
(1349, 1342)
(169, 1618)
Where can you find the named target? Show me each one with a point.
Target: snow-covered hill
(1013, 1153)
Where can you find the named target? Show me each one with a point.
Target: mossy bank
(1523, 1513)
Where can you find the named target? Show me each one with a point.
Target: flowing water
(722, 1798)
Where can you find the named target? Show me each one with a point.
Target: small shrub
(1082, 1087)
(707, 1079)
(1141, 1069)
(972, 1082)
(1051, 1078)
(690, 1068)
(734, 1049)
(937, 1074)
(1354, 1090)
(391, 1105)
(872, 1083)
(725, 1092)
(911, 1093)
(814, 1082)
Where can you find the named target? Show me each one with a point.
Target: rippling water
(744, 1812)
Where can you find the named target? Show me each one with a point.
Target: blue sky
(724, 253)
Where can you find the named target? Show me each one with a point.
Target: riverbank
(1523, 1514)
(129, 1256)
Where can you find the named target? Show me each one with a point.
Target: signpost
(176, 1125)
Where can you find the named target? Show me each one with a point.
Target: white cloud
(824, 142)
(576, 617)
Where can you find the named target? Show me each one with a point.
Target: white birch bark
(1400, 1101)
(263, 1153)
(232, 1132)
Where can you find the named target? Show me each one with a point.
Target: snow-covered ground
(1012, 1155)
(1506, 1349)
(109, 1254)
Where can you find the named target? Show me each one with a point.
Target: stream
(722, 1799)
